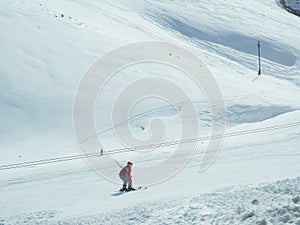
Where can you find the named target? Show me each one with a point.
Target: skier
(125, 176)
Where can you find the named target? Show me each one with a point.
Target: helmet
(129, 164)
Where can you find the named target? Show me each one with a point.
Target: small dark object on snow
(296, 199)
(248, 215)
(255, 202)
(262, 222)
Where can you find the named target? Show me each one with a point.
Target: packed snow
(273, 203)
(48, 45)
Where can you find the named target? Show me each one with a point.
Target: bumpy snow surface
(274, 203)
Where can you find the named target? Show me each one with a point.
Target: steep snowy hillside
(47, 48)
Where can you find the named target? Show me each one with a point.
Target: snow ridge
(273, 203)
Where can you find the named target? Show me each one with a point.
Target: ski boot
(130, 188)
(123, 188)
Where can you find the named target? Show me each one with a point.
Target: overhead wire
(132, 149)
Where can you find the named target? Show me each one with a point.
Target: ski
(137, 189)
(140, 188)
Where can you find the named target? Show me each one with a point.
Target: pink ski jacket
(125, 171)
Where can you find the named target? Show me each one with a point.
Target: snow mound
(273, 203)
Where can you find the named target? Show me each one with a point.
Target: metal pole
(259, 66)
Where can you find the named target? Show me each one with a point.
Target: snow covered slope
(48, 45)
(274, 203)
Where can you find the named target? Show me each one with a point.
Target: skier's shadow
(118, 193)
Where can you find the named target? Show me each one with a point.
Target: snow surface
(293, 4)
(47, 46)
(274, 203)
